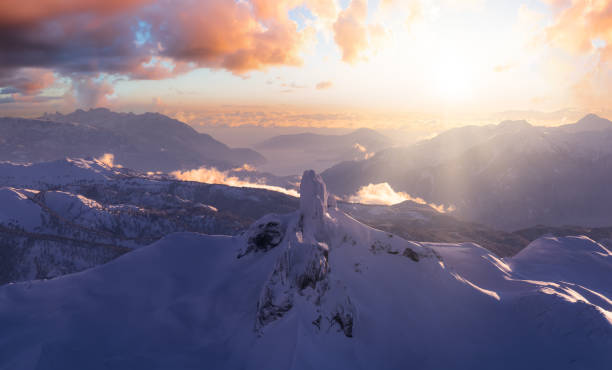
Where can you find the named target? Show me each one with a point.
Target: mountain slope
(291, 154)
(148, 142)
(508, 176)
(65, 216)
(602, 235)
(311, 289)
(413, 221)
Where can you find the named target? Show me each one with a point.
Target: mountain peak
(100, 110)
(589, 117)
(593, 119)
(590, 122)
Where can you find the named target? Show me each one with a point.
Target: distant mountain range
(292, 154)
(509, 176)
(365, 137)
(147, 142)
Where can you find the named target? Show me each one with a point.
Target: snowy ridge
(316, 289)
(56, 173)
(65, 216)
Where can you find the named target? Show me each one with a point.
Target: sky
(323, 63)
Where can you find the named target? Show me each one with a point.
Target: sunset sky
(297, 62)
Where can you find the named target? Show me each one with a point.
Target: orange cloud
(109, 160)
(324, 85)
(357, 37)
(98, 36)
(29, 11)
(156, 68)
(26, 81)
(579, 22)
(350, 31)
(234, 37)
(325, 9)
(584, 28)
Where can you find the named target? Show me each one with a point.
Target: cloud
(503, 67)
(106, 36)
(214, 176)
(144, 39)
(578, 23)
(324, 9)
(26, 81)
(90, 92)
(324, 85)
(360, 33)
(584, 29)
(350, 31)
(236, 36)
(294, 85)
(384, 194)
(75, 41)
(109, 160)
(22, 12)
(364, 151)
(245, 167)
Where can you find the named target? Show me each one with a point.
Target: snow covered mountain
(413, 221)
(315, 289)
(65, 216)
(147, 142)
(509, 176)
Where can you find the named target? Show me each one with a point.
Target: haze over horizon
(422, 66)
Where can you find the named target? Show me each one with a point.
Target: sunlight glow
(454, 79)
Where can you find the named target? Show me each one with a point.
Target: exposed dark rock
(344, 321)
(269, 237)
(263, 237)
(268, 310)
(411, 254)
(379, 246)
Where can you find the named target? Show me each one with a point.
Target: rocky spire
(313, 195)
(313, 202)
